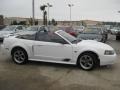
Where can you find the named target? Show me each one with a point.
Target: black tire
(19, 56)
(85, 63)
(117, 37)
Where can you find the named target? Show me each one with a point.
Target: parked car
(8, 30)
(116, 31)
(58, 47)
(33, 28)
(92, 34)
(79, 29)
(108, 28)
(69, 29)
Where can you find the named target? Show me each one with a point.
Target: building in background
(28, 21)
(10, 20)
(80, 23)
(19, 20)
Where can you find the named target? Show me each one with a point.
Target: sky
(100, 10)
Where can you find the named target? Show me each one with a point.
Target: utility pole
(118, 12)
(70, 5)
(33, 12)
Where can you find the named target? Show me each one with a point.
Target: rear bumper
(108, 59)
(5, 50)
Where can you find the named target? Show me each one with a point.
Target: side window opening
(57, 39)
(50, 37)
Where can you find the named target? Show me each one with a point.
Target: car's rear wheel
(87, 61)
(19, 56)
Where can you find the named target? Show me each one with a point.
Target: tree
(99, 24)
(54, 22)
(42, 8)
(83, 23)
(14, 22)
(1, 20)
(30, 21)
(22, 23)
(36, 22)
(45, 17)
(49, 23)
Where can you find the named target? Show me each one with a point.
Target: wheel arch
(12, 50)
(92, 52)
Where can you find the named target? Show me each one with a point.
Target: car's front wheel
(19, 56)
(87, 61)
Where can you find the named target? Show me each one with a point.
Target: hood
(94, 44)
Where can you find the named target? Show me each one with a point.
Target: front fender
(81, 50)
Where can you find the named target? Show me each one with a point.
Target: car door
(51, 47)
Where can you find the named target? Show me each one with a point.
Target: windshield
(9, 28)
(32, 28)
(69, 37)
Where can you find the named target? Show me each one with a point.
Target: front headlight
(109, 52)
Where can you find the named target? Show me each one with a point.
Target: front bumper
(108, 59)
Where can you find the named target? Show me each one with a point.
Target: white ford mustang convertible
(58, 47)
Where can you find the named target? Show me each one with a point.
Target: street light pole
(48, 5)
(70, 5)
(33, 12)
(118, 12)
